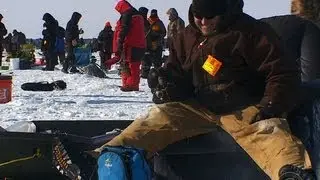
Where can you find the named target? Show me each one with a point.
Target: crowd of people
(224, 68)
(12, 42)
(137, 40)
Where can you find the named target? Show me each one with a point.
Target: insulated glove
(108, 63)
(162, 87)
(152, 78)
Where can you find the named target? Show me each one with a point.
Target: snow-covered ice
(86, 98)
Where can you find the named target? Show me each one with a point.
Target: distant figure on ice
(8, 43)
(176, 24)
(72, 39)
(155, 42)
(144, 12)
(129, 45)
(105, 44)
(307, 9)
(49, 33)
(18, 39)
(3, 32)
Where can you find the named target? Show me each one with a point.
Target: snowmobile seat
(210, 156)
(304, 122)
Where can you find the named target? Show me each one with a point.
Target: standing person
(8, 43)
(307, 9)
(155, 43)
(105, 44)
(15, 41)
(175, 26)
(72, 39)
(145, 64)
(144, 12)
(129, 45)
(226, 69)
(49, 37)
(3, 32)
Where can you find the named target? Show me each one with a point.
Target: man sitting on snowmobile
(226, 69)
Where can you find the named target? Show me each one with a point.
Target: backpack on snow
(123, 163)
(44, 86)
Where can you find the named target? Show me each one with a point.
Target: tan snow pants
(268, 142)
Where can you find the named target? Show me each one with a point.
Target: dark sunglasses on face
(199, 16)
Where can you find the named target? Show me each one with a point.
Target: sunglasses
(200, 16)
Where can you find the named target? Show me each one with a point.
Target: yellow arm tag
(212, 65)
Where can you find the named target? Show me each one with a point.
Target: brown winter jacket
(254, 69)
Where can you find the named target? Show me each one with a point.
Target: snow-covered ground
(86, 98)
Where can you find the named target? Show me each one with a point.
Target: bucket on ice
(15, 63)
(5, 89)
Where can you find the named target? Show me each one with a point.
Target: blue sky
(26, 16)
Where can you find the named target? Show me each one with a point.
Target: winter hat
(154, 13)
(1, 16)
(144, 11)
(108, 24)
(123, 6)
(209, 8)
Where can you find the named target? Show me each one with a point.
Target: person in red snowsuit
(129, 45)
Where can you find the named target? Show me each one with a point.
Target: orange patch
(212, 65)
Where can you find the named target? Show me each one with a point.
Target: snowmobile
(54, 145)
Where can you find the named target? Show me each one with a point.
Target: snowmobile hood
(76, 17)
(123, 6)
(48, 18)
(229, 9)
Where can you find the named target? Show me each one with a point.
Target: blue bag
(59, 46)
(82, 56)
(123, 163)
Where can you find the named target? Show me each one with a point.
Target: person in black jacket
(105, 43)
(145, 66)
(3, 32)
(72, 39)
(301, 39)
(49, 41)
(155, 43)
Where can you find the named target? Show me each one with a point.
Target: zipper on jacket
(201, 46)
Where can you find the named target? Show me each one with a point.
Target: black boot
(144, 74)
(74, 70)
(64, 71)
(291, 172)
